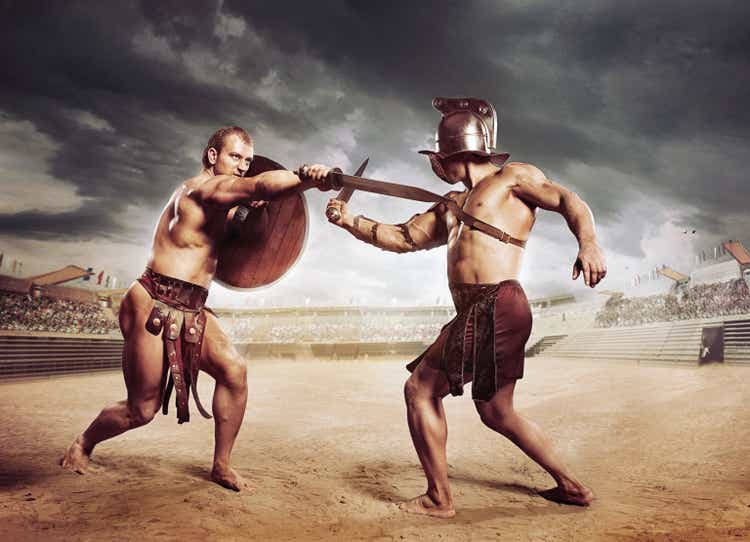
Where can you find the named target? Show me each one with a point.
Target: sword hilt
(334, 178)
(332, 181)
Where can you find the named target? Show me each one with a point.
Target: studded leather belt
(179, 315)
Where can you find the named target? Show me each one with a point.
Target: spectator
(24, 313)
(332, 329)
(700, 301)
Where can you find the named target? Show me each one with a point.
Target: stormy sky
(641, 107)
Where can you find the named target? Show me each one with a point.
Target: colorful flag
(99, 277)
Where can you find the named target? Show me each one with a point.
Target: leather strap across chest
(484, 227)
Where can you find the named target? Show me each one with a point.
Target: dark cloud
(656, 94)
(86, 221)
(606, 83)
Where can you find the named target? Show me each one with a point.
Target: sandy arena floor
(666, 450)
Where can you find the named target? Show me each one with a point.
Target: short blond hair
(217, 140)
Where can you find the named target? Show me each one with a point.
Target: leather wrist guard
(373, 233)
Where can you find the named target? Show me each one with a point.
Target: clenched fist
(317, 173)
(337, 213)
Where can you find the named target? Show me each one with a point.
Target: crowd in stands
(328, 330)
(23, 313)
(700, 301)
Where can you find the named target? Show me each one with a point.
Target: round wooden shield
(262, 244)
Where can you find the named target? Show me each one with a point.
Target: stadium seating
(701, 301)
(737, 341)
(653, 329)
(54, 334)
(673, 342)
(36, 355)
(537, 345)
(20, 312)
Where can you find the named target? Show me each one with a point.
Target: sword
(341, 181)
(345, 194)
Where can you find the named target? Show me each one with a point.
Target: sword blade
(388, 189)
(347, 191)
(362, 167)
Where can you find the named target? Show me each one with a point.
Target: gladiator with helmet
(484, 343)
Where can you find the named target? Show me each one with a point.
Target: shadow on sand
(381, 480)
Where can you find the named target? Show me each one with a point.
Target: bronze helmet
(469, 125)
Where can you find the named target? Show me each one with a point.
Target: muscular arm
(421, 232)
(229, 190)
(532, 186)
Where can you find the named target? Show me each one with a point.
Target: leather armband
(373, 228)
(407, 236)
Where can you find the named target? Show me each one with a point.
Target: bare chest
(493, 204)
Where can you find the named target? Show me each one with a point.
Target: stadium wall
(28, 354)
(332, 351)
(23, 286)
(71, 294)
(14, 285)
(24, 354)
(718, 272)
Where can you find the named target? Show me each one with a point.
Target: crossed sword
(347, 184)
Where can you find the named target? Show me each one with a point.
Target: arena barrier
(333, 351)
(25, 354)
(38, 354)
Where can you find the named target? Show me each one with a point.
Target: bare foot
(579, 496)
(426, 506)
(228, 478)
(76, 458)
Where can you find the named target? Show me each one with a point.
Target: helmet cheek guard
(437, 167)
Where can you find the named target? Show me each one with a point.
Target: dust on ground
(665, 449)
